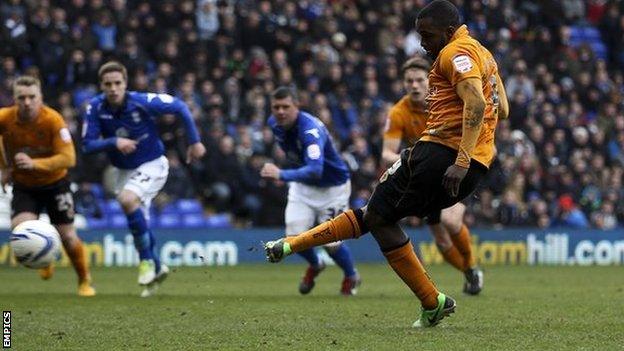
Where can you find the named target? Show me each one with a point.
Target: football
(35, 244)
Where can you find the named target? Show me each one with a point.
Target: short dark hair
(283, 92)
(443, 12)
(113, 66)
(27, 81)
(416, 62)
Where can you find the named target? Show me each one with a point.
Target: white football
(35, 244)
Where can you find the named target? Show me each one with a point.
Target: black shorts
(56, 198)
(413, 186)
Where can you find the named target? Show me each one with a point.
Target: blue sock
(141, 233)
(310, 256)
(155, 255)
(343, 258)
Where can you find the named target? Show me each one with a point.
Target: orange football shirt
(46, 140)
(462, 58)
(405, 122)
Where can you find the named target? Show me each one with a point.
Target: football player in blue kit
(319, 184)
(123, 124)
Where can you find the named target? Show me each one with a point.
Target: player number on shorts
(140, 177)
(64, 202)
(331, 212)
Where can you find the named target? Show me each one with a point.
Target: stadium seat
(193, 220)
(111, 206)
(117, 220)
(97, 190)
(97, 223)
(189, 206)
(168, 220)
(168, 208)
(219, 221)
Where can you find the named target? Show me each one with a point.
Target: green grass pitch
(252, 307)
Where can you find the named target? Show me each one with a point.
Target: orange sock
(344, 226)
(462, 242)
(78, 258)
(454, 257)
(407, 266)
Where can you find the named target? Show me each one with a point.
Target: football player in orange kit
(441, 169)
(39, 149)
(405, 124)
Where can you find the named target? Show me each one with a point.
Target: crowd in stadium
(560, 155)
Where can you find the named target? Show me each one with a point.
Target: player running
(440, 170)
(405, 124)
(126, 122)
(39, 150)
(319, 185)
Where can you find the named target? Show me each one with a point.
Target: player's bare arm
(391, 147)
(470, 92)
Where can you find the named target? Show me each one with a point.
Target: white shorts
(309, 205)
(145, 181)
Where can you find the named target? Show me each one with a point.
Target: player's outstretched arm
(161, 104)
(91, 141)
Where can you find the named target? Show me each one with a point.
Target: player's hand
(195, 152)
(5, 178)
(23, 161)
(453, 178)
(270, 170)
(126, 146)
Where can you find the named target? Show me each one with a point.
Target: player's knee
(452, 224)
(373, 220)
(442, 241)
(68, 235)
(331, 248)
(128, 201)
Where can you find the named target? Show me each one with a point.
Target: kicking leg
(347, 225)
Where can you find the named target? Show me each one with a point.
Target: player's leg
(131, 205)
(299, 216)
(26, 207)
(347, 225)
(138, 187)
(452, 220)
(443, 242)
(59, 203)
(77, 255)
